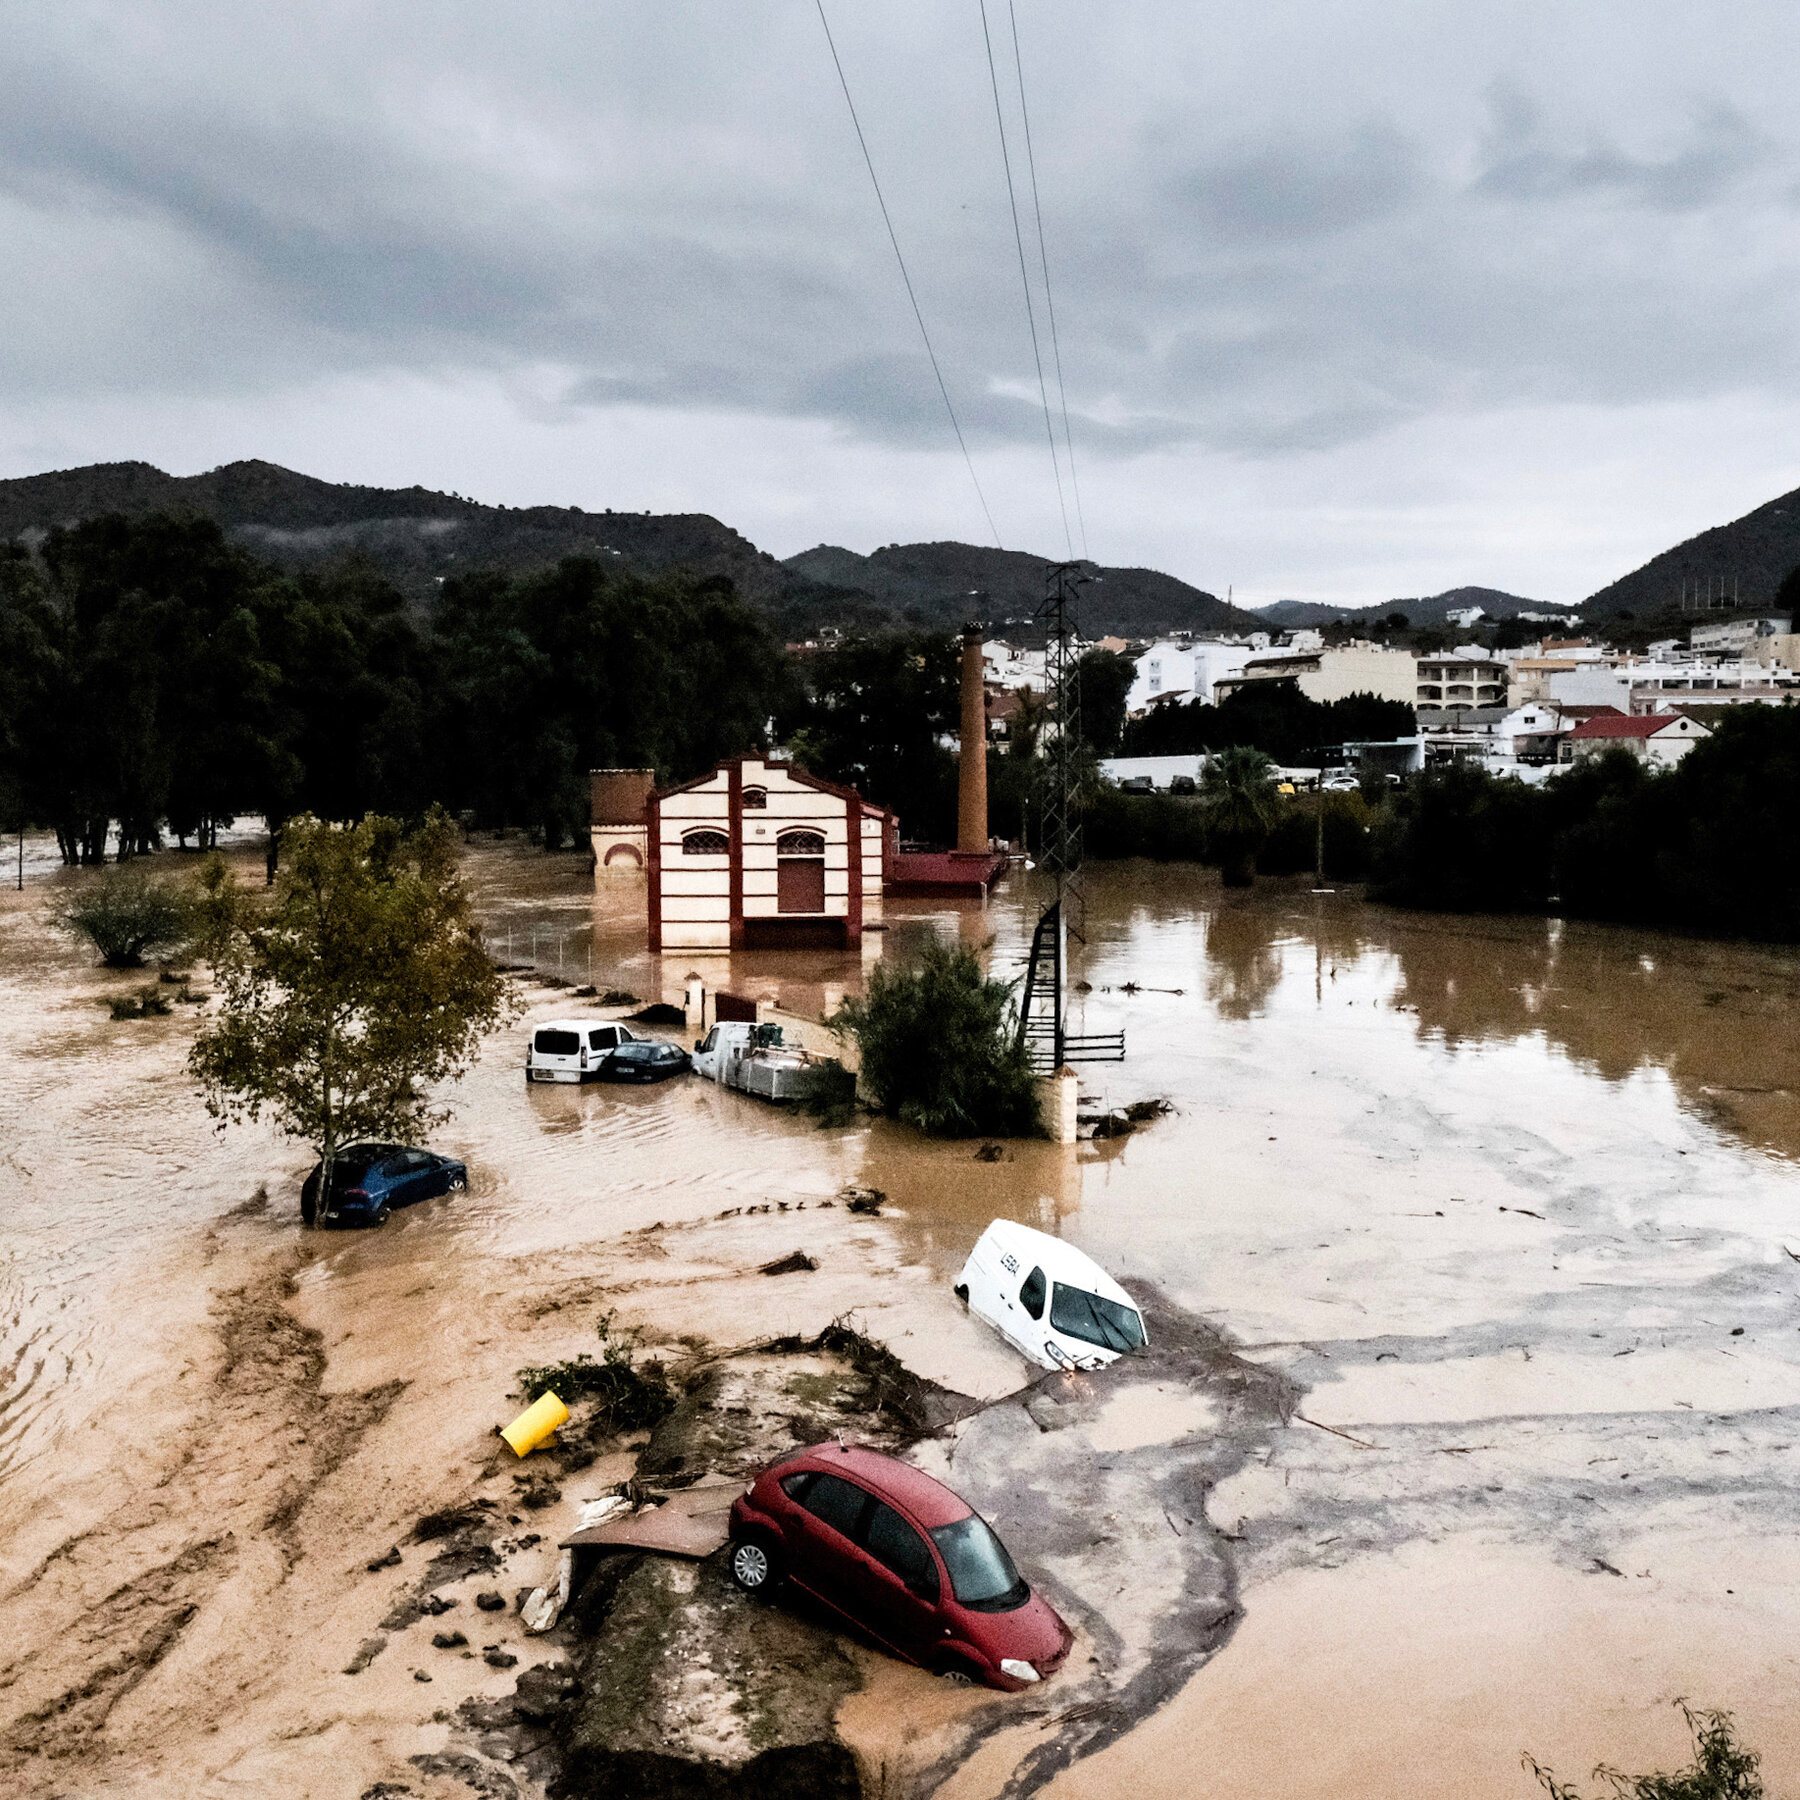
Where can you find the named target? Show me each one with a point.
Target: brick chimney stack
(971, 773)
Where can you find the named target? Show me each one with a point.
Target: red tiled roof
(1587, 712)
(1618, 726)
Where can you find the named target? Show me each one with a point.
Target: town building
(1457, 680)
(1661, 739)
(1734, 637)
(618, 832)
(757, 855)
(1334, 674)
(1173, 671)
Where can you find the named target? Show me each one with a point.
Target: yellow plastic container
(536, 1424)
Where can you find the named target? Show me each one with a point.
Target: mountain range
(420, 538)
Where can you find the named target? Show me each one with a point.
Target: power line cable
(893, 238)
(1062, 392)
(1025, 277)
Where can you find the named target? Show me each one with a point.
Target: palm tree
(1237, 791)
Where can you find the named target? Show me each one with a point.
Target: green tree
(1238, 799)
(358, 984)
(874, 714)
(1722, 1769)
(1457, 839)
(1105, 680)
(939, 1046)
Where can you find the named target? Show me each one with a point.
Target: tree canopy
(355, 987)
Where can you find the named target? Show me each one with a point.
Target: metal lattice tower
(1043, 1014)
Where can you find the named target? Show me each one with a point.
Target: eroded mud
(1496, 1202)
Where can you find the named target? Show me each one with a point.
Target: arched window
(755, 799)
(705, 843)
(800, 843)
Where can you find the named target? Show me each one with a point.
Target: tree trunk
(1237, 865)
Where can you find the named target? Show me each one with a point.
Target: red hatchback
(901, 1556)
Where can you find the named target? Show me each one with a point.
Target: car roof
(912, 1490)
(1060, 1260)
(571, 1024)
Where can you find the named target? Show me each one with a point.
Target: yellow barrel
(535, 1424)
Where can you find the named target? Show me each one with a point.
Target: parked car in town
(1184, 784)
(573, 1049)
(1137, 784)
(644, 1059)
(369, 1180)
(900, 1555)
(1051, 1302)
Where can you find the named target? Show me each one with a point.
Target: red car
(901, 1556)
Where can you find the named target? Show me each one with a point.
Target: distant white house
(1462, 617)
(1176, 670)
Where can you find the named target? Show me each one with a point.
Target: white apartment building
(1335, 674)
(1734, 636)
(1177, 670)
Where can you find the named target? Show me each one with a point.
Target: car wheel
(378, 1217)
(958, 1673)
(458, 1183)
(755, 1567)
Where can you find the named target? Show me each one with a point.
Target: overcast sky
(1354, 301)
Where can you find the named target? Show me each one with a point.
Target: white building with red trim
(757, 855)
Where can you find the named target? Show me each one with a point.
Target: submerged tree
(1237, 794)
(362, 982)
(940, 1047)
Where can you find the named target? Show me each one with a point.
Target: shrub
(128, 915)
(1460, 840)
(940, 1049)
(1722, 1768)
(1153, 825)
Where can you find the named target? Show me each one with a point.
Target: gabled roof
(1648, 725)
(772, 761)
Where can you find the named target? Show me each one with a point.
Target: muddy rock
(489, 1601)
(448, 1640)
(496, 1658)
(390, 1561)
(689, 1688)
(366, 1653)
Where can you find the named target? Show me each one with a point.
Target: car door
(822, 1552)
(900, 1584)
(409, 1177)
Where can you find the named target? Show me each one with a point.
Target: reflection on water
(1320, 1053)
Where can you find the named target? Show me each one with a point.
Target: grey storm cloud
(1293, 245)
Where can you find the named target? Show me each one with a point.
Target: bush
(1722, 1768)
(128, 915)
(1152, 825)
(1292, 847)
(628, 1397)
(940, 1050)
(1460, 840)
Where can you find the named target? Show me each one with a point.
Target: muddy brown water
(1514, 1204)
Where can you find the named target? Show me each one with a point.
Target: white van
(1055, 1306)
(572, 1049)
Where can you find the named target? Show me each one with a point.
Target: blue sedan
(368, 1180)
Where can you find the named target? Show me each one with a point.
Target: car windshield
(636, 1052)
(982, 1575)
(556, 1043)
(1095, 1319)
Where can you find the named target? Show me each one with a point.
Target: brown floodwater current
(1514, 1202)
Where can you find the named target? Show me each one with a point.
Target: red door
(800, 884)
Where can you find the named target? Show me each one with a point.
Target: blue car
(368, 1180)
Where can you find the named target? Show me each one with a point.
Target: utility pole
(1043, 1008)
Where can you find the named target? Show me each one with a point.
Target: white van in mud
(1055, 1306)
(572, 1049)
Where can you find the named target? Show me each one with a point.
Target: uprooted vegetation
(626, 1395)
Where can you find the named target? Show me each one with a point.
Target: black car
(644, 1061)
(367, 1180)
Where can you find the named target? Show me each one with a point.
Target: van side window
(1031, 1295)
(896, 1546)
(603, 1039)
(712, 1041)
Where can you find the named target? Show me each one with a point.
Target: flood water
(1516, 1201)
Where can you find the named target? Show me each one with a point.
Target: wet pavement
(1513, 1206)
